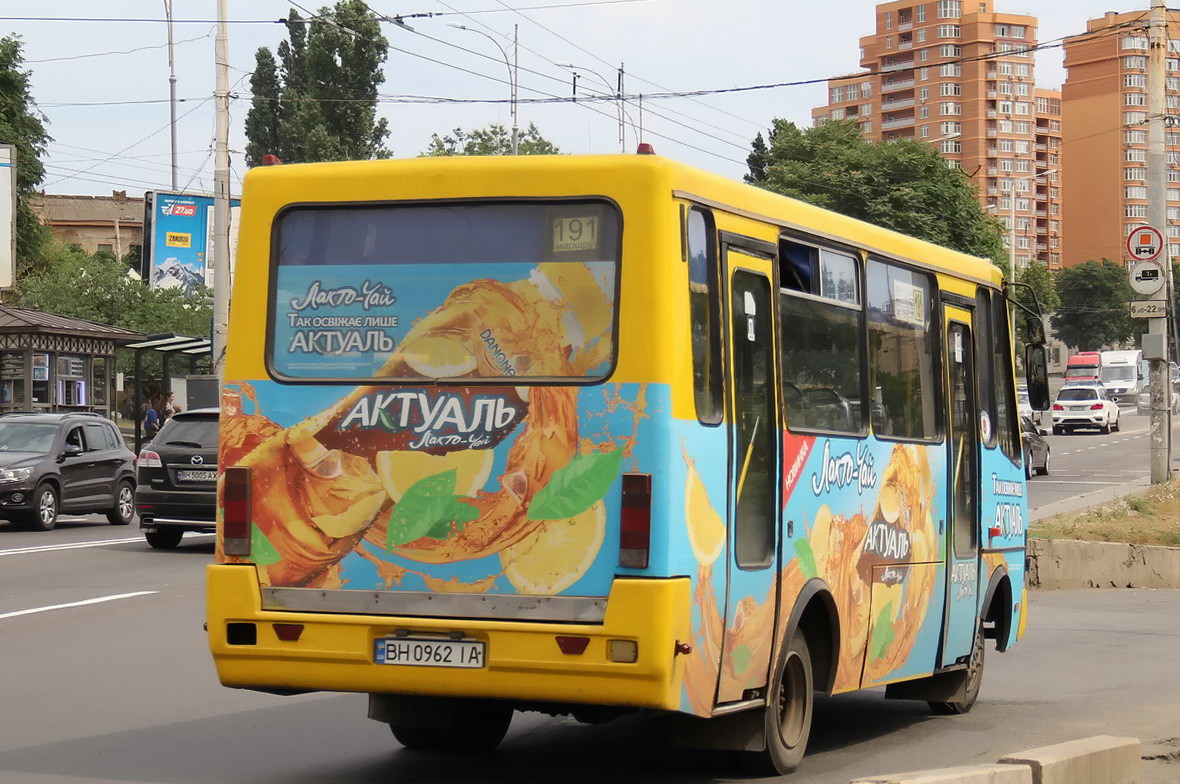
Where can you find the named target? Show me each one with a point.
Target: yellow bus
(600, 434)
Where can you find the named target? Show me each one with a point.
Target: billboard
(7, 214)
(178, 239)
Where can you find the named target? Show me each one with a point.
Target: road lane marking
(50, 548)
(82, 603)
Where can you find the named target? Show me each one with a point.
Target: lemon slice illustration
(557, 554)
(357, 518)
(706, 530)
(438, 357)
(400, 470)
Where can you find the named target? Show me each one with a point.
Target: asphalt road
(1087, 461)
(122, 690)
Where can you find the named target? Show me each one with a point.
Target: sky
(104, 85)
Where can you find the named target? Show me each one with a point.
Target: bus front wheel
(974, 681)
(789, 710)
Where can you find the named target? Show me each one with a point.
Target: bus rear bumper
(524, 662)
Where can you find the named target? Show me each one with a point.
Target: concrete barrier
(1068, 563)
(967, 774)
(1103, 759)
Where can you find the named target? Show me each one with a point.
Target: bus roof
(551, 175)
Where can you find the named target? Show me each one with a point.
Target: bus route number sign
(572, 234)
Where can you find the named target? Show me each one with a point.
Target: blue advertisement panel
(181, 240)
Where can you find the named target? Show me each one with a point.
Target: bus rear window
(453, 292)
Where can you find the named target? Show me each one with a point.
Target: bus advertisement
(592, 435)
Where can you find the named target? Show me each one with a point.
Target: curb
(1087, 500)
(1055, 564)
(1103, 759)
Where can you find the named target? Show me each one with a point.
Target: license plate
(413, 652)
(196, 476)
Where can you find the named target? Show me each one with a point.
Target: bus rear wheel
(789, 711)
(974, 681)
(474, 725)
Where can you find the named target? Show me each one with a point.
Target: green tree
(318, 102)
(264, 118)
(1093, 312)
(22, 124)
(99, 288)
(493, 140)
(904, 185)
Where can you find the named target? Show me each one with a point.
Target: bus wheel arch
(996, 610)
(816, 617)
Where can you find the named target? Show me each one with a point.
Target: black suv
(70, 463)
(178, 479)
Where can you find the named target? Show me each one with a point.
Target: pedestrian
(151, 420)
(170, 407)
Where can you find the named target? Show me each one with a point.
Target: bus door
(961, 614)
(752, 561)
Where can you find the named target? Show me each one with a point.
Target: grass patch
(1150, 518)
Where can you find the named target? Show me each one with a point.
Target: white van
(1120, 374)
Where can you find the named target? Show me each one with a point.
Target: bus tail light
(237, 518)
(149, 459)
(635, 527)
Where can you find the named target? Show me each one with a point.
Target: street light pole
(221, 281)
(618, 94)
(512, 73)
(171, 89)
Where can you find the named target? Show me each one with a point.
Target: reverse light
(623, 651)
(149, 459)
(635, 525)
(237, 517)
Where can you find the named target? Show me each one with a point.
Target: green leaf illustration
(882, 633)
(386, 419)
(261, 550)
(577, 487)
(421, 508)
(806, 558)
(741, 658)
(458, 514)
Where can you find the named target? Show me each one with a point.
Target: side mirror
(1037, 369)
(71, 450)
(1035, 330)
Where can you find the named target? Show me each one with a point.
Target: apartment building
(1048, 184)
(1104, 117)
(960, 75)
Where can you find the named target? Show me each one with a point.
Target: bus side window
(902, 352)
(704, 305)
(1006, 425)
(822, 350)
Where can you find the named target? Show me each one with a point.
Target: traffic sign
(1147, 276)
(1150, 308)
(1145, 242)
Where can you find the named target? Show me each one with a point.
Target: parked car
(1084, 407)
(177, 489)
(1143, 401)
(71, 463)
(1024, 405)
(1036, 448)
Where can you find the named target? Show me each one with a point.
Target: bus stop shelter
(169, 345)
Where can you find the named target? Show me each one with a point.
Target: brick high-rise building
(960, 75)
(1104, 114)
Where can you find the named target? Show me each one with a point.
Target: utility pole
(221, 281)
(622, 114)
(171, 88)
(515, 78)
(1157, 213)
